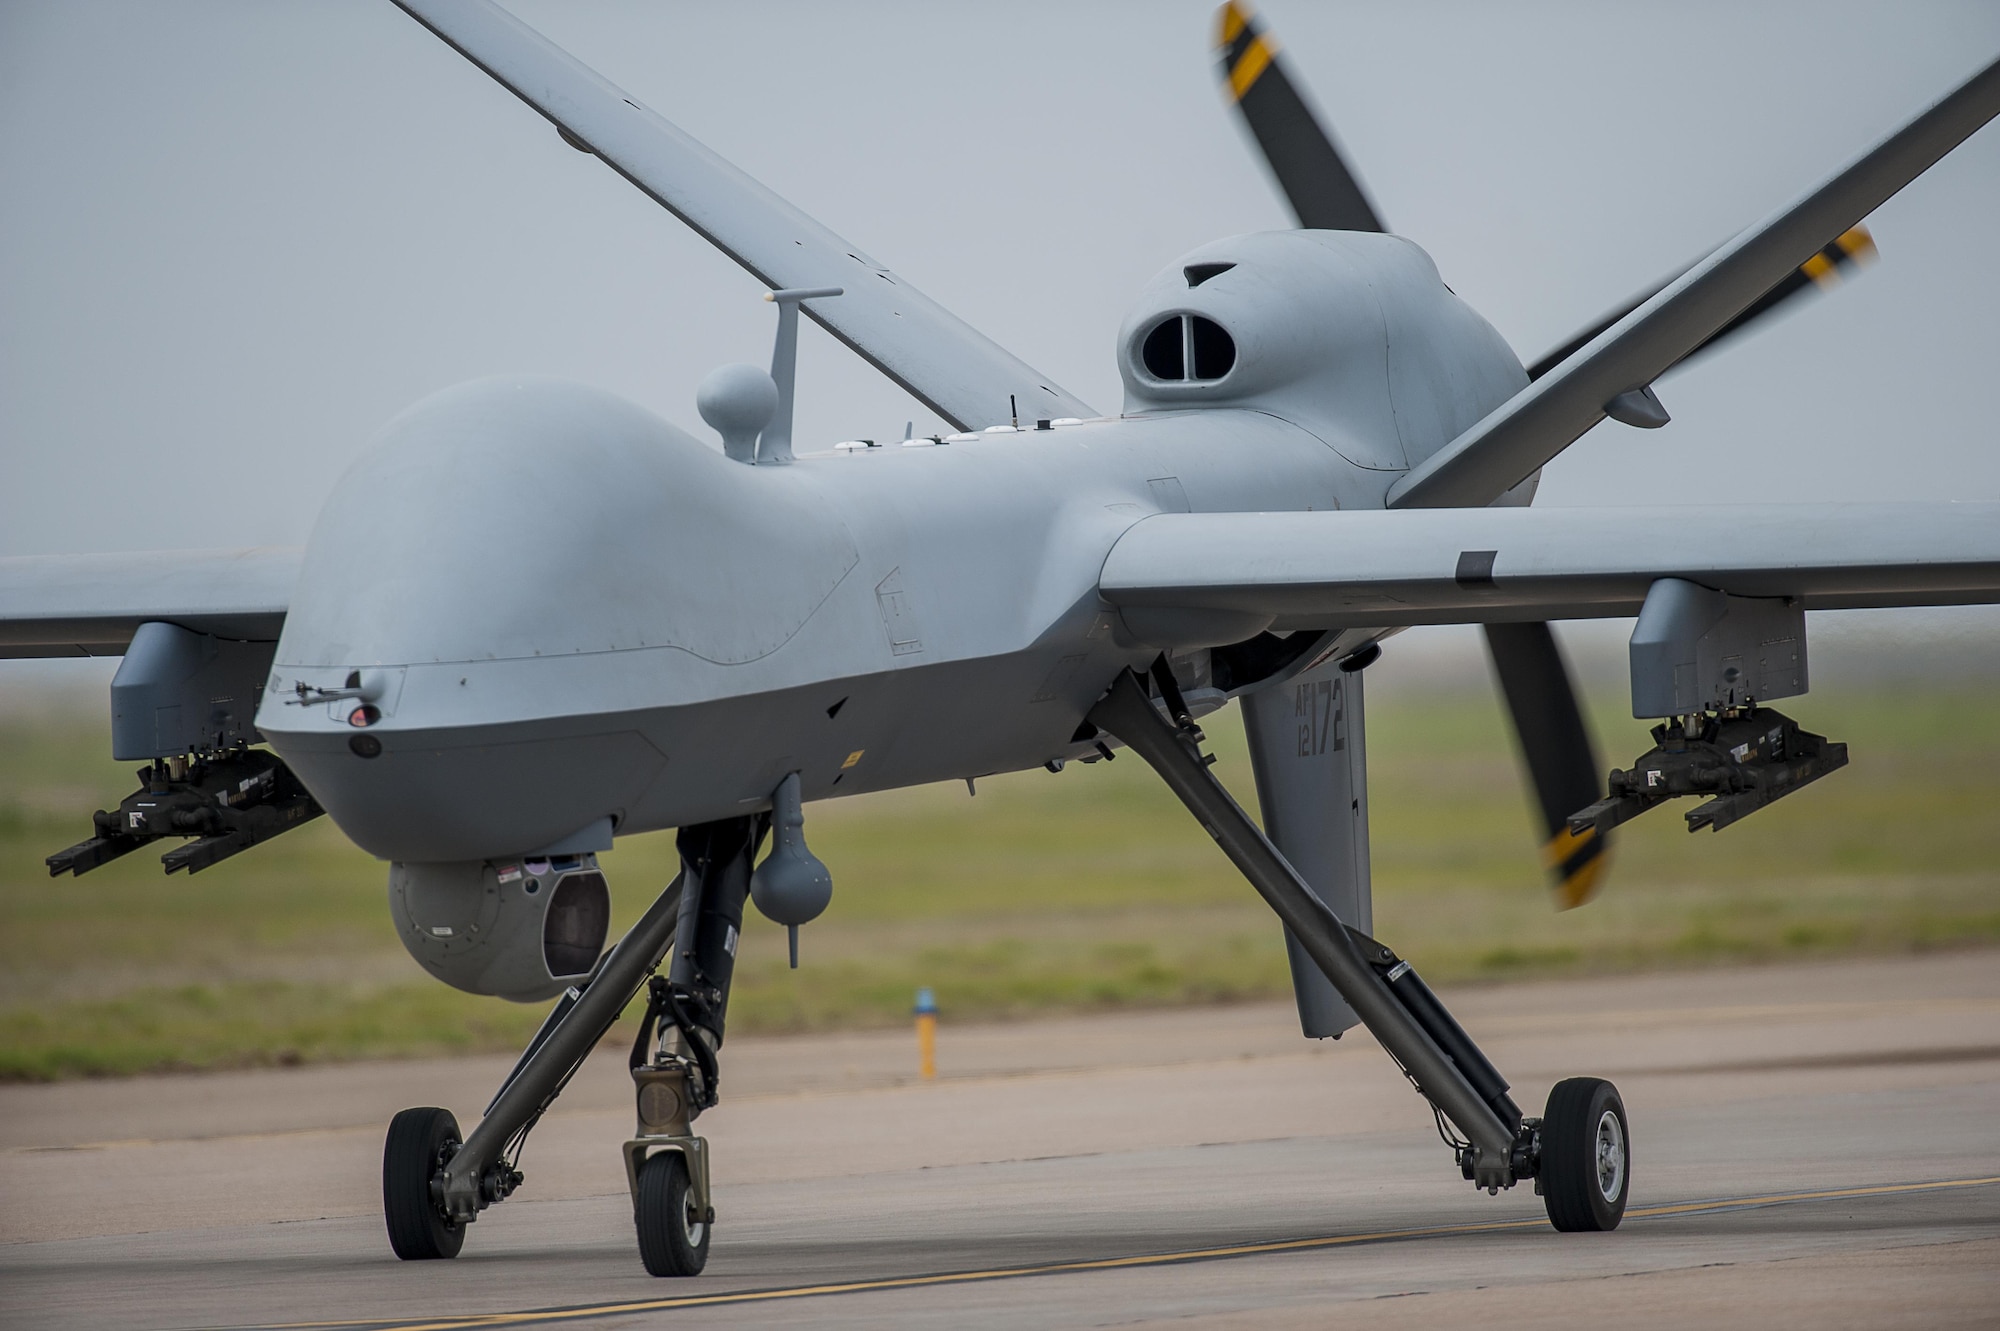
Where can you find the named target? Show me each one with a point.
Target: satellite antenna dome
(738, 401)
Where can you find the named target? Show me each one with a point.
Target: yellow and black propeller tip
(1243, 46)
(1823, 271)
(1576, 865)
(1324, 193)
(1853, 248)
(1557, 752)
(1541, 698)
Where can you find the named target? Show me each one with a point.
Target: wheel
(420, 1141)
(673, 1240)
(1586, 1164)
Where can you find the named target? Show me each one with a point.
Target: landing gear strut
(666, 1165)
(435, 1184)
(1582, 1143)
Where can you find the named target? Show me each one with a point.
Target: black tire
(1586, 1158)
(420, 1141)
(673, 1241)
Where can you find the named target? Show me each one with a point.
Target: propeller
(1555, 746)
(1821, 272)
(1326, 195)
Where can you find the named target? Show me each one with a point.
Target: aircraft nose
(517, 569)
(525, 518)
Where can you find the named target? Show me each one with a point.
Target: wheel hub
(1610, 1156)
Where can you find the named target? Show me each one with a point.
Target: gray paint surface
(1562, 405)
(669, 632)
(577, 612)
(1321, 570)
(951, 368)
(267, 229)
(1698, 650)
(576, 616)
(1309, 757)
(90, 605)
(177, 691)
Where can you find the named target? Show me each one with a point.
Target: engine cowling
(520, 929)
(1351, 335)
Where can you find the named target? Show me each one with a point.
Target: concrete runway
(1813, 1145)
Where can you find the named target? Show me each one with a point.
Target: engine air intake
(1188, 348)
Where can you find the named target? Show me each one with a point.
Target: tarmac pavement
(1813, 1145)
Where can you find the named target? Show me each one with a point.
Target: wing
(1186, 573)
(1555, 410)
(1825, 269)
(939, 358)
(90, 605)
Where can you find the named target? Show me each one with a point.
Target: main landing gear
(421, 1142)
(1585, 1155)
(435, 1181)
(1578, 1153)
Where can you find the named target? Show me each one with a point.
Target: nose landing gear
(673, 1226)
(435, 1182)
(666, 1165)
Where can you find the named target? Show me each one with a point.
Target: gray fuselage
(565, 609)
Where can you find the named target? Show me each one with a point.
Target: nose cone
(526, 517)
(527, 563)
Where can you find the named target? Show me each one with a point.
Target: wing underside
(91, 605)
(1454, 566)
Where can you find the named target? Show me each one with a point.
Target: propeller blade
(1555, 745)
(1821, 272)
(1324, 193)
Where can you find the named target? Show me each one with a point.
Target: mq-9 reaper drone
(1320, 444)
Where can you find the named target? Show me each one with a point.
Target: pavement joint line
(629, 1308)
(1920, 1056)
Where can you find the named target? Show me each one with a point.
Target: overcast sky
(238, 237)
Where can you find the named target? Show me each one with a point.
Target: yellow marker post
(926, 1011)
